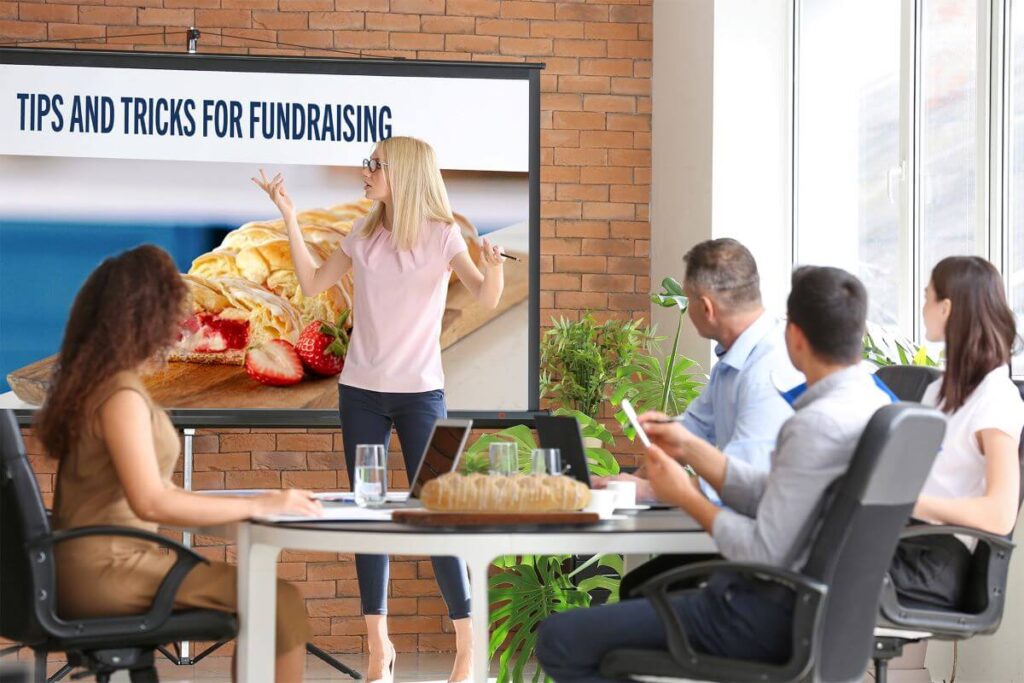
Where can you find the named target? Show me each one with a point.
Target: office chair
(835, 593)
(100, 645)
(902, 622)
(908, 382)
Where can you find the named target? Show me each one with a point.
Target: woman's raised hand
(491, 254)
(274, 187)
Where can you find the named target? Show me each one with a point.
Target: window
(848, 147)
(1015, 181)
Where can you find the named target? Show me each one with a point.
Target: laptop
(441, 455)
(563, 432)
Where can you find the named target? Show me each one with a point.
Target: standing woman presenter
(401, 254)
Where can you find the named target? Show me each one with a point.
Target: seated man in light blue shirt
(740, 409)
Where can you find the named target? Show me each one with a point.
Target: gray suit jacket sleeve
(770, 509)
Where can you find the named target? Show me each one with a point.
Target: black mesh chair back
(23, 521)
(908, 382)
(857, 538)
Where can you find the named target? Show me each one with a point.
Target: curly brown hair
(129, 309)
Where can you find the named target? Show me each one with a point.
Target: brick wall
(595, 188)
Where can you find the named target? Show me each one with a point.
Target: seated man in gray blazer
(732, 616)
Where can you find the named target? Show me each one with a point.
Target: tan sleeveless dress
(108, 576)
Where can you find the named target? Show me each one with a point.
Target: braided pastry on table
(454, 492)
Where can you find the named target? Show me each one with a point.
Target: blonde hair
(418, 193)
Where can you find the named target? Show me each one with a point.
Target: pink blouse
(399, 304)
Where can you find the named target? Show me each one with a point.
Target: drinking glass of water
(504, 457)
(370, 486)
(546, 461)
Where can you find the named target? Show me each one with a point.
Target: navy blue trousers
(367, 418)
(728, 618)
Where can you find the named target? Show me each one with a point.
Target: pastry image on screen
(235, 258)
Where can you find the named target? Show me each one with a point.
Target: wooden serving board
(198, 385)
(430, 518)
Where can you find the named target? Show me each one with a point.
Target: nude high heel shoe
(389, 677)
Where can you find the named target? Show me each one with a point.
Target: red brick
(406, 605)
(608, 283)
(581, 300)
(337, 20)
(471, 43)
(366, 5)
(413, 624)
(436, 642)
(207, 481)
(413, 587)
(581, 157)
(556, 29)
(418, 6)
(608, 247)
(256, 479)
(394, 22)
(629, 302)
(305, 442)
(610, 103)
(641, 248)
(606, 174)
(635, 229)
(631, 86)
(366, 40)
(555, 245)
(221, 461)
(642, 140)
(637, 14)
(166, 17)
(636, 266)
(580, 12)
(307, 38)
(250, 37)
(607, 31)
(306, 5)
(448, 25)
(340, 643)
(473, 8)
(640, 49)
(333, 607)
(581, 264)
(526, 46)
(608, 210)
(72, 31)
(517, 9)
(560, 174)
(638, 194)
(635, 122)
(581, 228)
(8, 10)
(586, 193)
(310, 480)
(570, 47)
(560, 281)
(606, 139)
(417, 41)
(316, 589)
(226, 18)
(584, 84)
(551, 209)
(561, 65)
(502, 27)
(578, 120)
(626, 157)
(247, 442)
(560, 138)
(32, 12)
(561, 102)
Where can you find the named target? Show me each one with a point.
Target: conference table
(259, 544)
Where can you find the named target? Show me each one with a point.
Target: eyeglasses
(372, 165)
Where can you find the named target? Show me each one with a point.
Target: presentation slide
(98, 159)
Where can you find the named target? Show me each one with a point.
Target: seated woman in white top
(976, 477)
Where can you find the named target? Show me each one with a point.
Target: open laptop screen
(442, 452)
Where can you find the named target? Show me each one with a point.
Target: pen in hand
(509, 256)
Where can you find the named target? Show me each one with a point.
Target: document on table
(344, 512)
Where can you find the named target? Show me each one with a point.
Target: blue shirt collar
(791, 396)
(737, 354)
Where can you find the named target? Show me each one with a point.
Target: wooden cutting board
(197, 385)
(430, 518)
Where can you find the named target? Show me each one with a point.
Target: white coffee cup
(625, 493)
(602, 502)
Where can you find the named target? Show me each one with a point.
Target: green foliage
(578, 359)
(884, 347)
(650, 383)
(528, 590)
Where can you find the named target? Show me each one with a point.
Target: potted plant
(652, 383)
(885, 347)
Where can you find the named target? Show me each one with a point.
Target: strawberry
(275, 363)
(322, 346)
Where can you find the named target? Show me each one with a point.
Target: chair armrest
(163, 601)
(809, 598)
(993, 540)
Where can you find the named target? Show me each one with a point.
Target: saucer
(632, 507)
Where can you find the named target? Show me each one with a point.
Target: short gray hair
(726, 269)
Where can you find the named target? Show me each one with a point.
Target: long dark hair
(981, 331)
(129, 309)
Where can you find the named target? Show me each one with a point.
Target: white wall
(721, 120)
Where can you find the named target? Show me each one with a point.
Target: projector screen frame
(328, 418)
